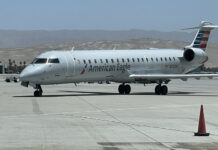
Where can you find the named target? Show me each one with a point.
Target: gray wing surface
(171, 76)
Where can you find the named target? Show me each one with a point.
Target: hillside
(29, 38)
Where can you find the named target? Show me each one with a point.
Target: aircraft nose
(24, 75)
(29, 74)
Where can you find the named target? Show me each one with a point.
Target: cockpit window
(39, 61)
(53, 60)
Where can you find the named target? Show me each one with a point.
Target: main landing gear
(38, 91)
(124, 89)
(161, 90)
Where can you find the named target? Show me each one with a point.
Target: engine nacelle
(189, 54)
(195, 55)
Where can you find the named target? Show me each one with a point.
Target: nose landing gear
(161, 90)
(124, 89)
(38, 91)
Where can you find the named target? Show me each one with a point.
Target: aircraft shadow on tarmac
(90, 93)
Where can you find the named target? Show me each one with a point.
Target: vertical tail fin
(202, 36)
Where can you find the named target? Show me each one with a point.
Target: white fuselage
(108, 65)
(123, 66)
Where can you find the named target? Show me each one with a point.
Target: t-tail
(202, 36)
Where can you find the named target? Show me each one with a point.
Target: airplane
(146, 66)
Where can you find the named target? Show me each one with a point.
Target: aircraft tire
(121, 89)
(158, 90)
(127, 89)
(164, 90)
(37, 93)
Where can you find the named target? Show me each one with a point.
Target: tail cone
(201, 125)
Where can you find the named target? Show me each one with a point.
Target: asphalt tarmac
(93, 116)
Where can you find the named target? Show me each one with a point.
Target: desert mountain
(16, 38)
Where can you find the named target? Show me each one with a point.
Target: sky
(162, 15)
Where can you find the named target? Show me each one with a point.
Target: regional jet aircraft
(158, 66)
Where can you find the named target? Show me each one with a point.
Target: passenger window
(112, 60)
(161, 59)
(117, 60)
(169, 58)
(95, 61)
(123, 60)
(147, 59)
(174, 59)
(39, 61)
(157, 59)
(127, 59)
(84, 61)
(133, 60)
(90, 62)
(152, 59)
(106, 60)
(138, 59)
(165, 59)
(142, 59)
(101, 60)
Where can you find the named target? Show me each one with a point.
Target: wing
(170, 76)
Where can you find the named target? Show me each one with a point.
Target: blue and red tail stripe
(197, 42)
(204, 39)
(200, 45)
(204, 32)
(201, 39)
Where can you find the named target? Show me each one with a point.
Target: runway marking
(108, 110)
(36, 108)
(120, 122)
(98, 119)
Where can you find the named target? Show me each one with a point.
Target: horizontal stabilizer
(202, 36)
(203, 24)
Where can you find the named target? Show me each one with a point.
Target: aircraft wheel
(37, 93)
(158, 90)
(164, 90)
(127, 89)
(121, 89)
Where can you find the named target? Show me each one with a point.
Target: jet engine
(195, 55)
(189, 54)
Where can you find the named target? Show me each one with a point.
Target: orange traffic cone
(201, 125)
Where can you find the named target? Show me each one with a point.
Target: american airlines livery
(146, 66)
